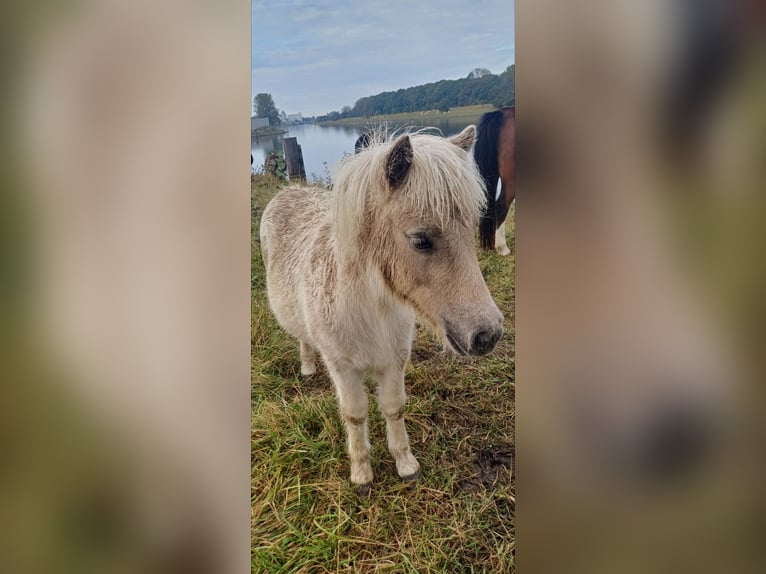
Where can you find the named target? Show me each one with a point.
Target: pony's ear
(399, 161)
(464, 140)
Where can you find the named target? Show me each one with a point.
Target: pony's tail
(485, 154)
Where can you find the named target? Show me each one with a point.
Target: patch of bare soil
(492, 468)
(422, 354)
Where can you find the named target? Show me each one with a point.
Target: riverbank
(417, 117)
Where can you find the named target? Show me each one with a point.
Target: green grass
(305, 515)
(453, 113)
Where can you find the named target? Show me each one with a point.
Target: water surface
(324, 146)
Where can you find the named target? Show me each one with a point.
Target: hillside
(479, 87)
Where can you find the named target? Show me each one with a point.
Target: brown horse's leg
(501, 244)
(506, 169)
(503, 203)
(487, 225)
(501, 212)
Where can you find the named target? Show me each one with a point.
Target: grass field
(306, 517)
(430, 115)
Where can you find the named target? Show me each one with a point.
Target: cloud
(314, 56)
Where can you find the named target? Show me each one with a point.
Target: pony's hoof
(364, 489)
(504, 251)
(414, 477)
(308, 370)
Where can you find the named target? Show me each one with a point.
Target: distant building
(295, 118)
(256, 123)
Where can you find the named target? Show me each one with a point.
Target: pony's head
(406, 211)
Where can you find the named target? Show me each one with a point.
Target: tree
(265, 108)
(479, 87)
(504, 94)
(478, 73)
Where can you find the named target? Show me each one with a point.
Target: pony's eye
(421, 242)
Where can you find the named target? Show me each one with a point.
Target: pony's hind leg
(308, 359)
(391, 400)
(352, 400)
(501, 244)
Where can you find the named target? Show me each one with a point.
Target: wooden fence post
(294, 158)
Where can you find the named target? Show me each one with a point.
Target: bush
(275, 165)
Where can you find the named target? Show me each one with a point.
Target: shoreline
(454, 113)
(267, 132)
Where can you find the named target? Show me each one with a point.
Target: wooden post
(294, 158)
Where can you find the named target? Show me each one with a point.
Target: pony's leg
(500, 243)
(391, 400)
(308, 359)
(352, 399)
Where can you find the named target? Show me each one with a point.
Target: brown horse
(494, 154)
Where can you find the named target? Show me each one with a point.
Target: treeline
(479, 87)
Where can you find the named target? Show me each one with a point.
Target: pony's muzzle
(480, 342)
(484, 340)
(478, 338)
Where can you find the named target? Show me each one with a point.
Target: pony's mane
(443, 182)
(384, 132)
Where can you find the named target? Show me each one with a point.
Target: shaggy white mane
(443, 183)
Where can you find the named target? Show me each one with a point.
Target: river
(324, 146)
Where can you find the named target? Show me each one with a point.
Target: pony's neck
(361, 280)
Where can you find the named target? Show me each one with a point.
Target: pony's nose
(484, 341)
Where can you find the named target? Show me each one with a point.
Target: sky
(315, 56)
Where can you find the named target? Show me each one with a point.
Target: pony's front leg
(391, 400)
(352, 399)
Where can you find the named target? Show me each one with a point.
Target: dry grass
(418, 118)
(306, 517)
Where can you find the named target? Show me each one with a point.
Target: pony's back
(293, 231)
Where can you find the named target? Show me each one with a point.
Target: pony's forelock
(443, 183)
